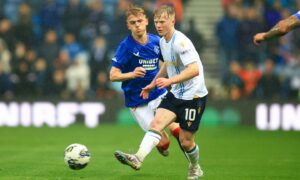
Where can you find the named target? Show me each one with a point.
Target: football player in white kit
(281, 28)
(185, 103)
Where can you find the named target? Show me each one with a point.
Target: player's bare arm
(280, 29)
(189, 72)
(117, 75)
(161, 73)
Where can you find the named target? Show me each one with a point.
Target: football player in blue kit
(135, 64)
(281, 28)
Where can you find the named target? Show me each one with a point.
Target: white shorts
(145, 114)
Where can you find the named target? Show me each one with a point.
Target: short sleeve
(185, 51)
(121, 56)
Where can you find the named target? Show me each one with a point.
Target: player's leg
(162, 119)
(187, 140)
(175, 130)
(151, 139)
(164, 143)
(143, 116)
(189, 117)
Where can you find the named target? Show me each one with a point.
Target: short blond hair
(169, 10)
(134, 10)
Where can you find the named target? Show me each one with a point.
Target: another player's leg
(143, 116)
(150, 140)
(162, 119)
(152, 137)
(128, 159)
(175, 130)
(163, 145)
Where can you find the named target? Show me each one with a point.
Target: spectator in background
(7, 34)
(5, 84)
(291, 74)
(272, 14)
(5, 69)
(233, 82)
(5, 57)
(18, 55)
(41, 75)
(99, 58)
(226, 33)
(24, 27)
(30, 58)
(269, 86)
(49, 48)
(58, 85)
(78, 77)
(118, 27)
(250, 76)
(73, 17)
(71, 45)
(95, 23)
(10, 7)
(23, 80)
(50, 16)
(248, 27)
(62, 62)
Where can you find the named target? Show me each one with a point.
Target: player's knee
(156, 125)
(186, 144)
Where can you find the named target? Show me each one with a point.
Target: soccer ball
(77, 156)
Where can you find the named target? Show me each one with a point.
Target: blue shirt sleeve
(121, 57)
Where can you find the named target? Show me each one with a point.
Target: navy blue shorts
(188, 112)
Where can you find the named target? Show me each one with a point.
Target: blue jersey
(131, 54)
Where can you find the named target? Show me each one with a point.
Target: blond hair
(134, 10)
(168, 10)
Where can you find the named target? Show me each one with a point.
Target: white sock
(194, 155)
(150, 140)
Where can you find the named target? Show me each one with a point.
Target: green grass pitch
(227, 153)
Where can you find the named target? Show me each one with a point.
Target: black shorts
(188, 112)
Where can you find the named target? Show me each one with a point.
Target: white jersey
(177, 54)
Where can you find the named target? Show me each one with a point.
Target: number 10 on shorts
(190, 114)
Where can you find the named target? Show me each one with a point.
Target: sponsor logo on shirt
(137, 54)
(156, 49)
(149, 64)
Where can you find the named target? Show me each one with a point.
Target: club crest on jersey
(156, 49)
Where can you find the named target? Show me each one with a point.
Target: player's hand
(163, 82)
(146, 90)
(259, 38)
(139, 72)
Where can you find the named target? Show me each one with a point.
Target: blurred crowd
(63, 48)
(270, 71)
